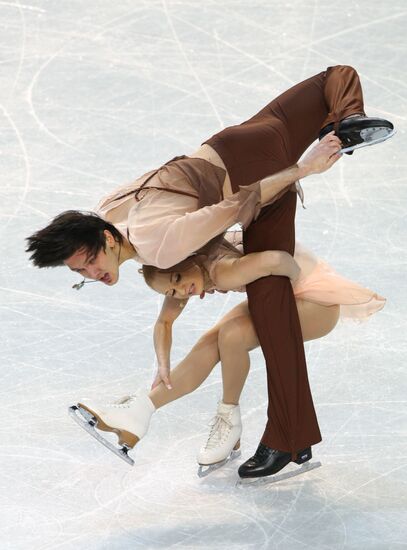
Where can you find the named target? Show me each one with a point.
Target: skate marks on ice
(267, 480)
(89, 423)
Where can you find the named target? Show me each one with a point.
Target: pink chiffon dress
(318, 282)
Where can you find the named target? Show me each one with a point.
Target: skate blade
(380, 139)
(89, 423)
(255, 481)
(205, 470)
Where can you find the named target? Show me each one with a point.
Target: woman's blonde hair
(148, 272)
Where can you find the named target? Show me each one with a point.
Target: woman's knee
(210, 337)
(237, 333)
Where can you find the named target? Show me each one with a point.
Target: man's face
(103, 267)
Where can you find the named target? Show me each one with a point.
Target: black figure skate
(263, 466)
(359, 131)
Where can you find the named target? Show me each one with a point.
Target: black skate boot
(267, 462)
(359, 131)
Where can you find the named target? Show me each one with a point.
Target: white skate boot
(224, 439)
(129, 418)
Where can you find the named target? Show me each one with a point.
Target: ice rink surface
(96, 93)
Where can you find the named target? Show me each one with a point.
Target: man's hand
(163, 375)
(322, 156)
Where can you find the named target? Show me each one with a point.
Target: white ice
(93, 94)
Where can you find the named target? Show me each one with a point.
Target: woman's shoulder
(212, 266)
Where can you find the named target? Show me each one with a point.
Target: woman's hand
(162, 375)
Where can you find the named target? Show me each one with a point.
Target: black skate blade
(89, 423)
(256, 481)
(206, 469)
(382, 134)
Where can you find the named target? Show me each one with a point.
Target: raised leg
(277, 136)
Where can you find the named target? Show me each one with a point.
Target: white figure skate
(129, 418)
(223, 442)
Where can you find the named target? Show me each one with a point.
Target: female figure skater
(321, 295)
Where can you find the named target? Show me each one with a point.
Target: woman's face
(179, 285)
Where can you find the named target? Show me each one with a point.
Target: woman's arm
(232, 273)
(162, 335)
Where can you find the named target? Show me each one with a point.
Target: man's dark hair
(69, 232)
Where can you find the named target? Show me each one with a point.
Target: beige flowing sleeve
(164, 240)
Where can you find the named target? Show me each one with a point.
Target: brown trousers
(273, 140)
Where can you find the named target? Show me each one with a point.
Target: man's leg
(292, 424)
(272, 140)
(291, 122)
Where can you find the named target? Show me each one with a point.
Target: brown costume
(269, 142)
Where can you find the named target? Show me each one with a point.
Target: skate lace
(220, 429)
(261, 453)
(124, 402)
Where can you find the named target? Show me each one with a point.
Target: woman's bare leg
(196, 366)
(316, 320)
(230, 341)
(191, 371)
(237, 337)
